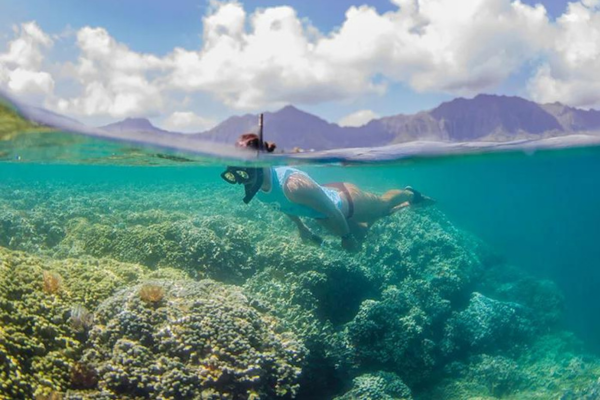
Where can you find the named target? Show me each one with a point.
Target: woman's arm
(305, 234)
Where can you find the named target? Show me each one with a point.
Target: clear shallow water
(541, 212)
(510, 234)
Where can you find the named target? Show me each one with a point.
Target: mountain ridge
(135, 125)
(485, 117)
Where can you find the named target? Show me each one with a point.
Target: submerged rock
(377, 386)
(508, 283)
(552, 367)
(398, 331)
(203, 340)
(487, 325)
(383, 308)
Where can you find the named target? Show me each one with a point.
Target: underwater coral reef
(152, 292)
(204, 341)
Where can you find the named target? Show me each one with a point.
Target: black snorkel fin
(251, 190)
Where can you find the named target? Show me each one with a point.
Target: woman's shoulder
(285, 168)
(284, 172)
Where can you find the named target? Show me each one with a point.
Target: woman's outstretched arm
(305, 234)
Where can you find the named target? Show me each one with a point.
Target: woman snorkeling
(342, 208)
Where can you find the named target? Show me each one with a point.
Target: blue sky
(189, 64)
(158, 26)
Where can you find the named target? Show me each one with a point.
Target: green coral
(304, 289)
(38, 345)
(493, 376)
(187, 245)
(204, 340)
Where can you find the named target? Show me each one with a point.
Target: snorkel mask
(250, 177)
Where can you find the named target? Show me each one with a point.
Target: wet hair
(252, 141)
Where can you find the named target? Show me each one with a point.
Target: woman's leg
(397, 199)
(369, 207)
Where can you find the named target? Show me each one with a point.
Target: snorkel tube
(254, 180)
(261, 143)
(253, 188)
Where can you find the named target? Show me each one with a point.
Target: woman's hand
(349, 243)
(309, 237)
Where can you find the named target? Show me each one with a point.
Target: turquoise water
(508, 259)
(541, 212)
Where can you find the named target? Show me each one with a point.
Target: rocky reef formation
(172, 337)
(487, 324)
(40, 335)
(200, 340)
(127, 226)
(423, 311)
(553, 366)
(377, 386)
(384, 308)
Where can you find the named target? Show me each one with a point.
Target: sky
(187, 65)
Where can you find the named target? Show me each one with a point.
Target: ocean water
(130, 275)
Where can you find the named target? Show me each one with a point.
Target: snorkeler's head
(250, 177)
(239, 175)
(252, 141)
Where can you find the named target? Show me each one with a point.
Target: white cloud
(433, 45)
(115, 80)
(22, 65)
(272, 63)
(187, 122)
(570, 72)
(23, 82)
(441, 45)
(591, 3)
(26, 51)
(272, 57)
(358, 118)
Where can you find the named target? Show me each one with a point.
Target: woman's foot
(418, 198)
